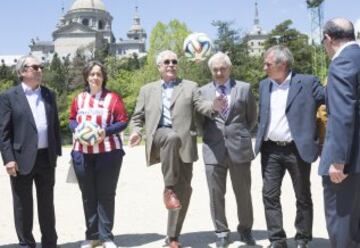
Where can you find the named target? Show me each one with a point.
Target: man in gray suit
(227, 147)
(340, 160)
(288, 141)
(165, 109)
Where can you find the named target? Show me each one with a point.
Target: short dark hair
(87, 69)
(339, 32)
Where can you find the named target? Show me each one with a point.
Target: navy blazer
(305, 96)
(18, 133)
(342, 103)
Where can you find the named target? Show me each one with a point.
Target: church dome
(88, 4)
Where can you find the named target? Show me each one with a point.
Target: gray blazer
(185, 101)
(231, 135)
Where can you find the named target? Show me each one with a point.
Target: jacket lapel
(177, 90)
(266, 96)
(45, 94)
(295, 87)
(233, 95)
(22, 100)
(156, 93)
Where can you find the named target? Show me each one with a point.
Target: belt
(42, 151)
(165, 126)
(280, 143)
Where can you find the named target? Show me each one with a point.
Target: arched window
(85, 22)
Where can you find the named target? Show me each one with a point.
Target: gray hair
(161, 55)
(282, 55)
(219, 56)
(21, 63)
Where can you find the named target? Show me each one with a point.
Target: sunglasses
(323, 40)
(168, 61)
(35, 67)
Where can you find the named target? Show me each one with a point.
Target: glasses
(35, 67)
(172, 61)
(323, 40)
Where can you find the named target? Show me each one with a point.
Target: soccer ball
(197, 46)
(87, 133)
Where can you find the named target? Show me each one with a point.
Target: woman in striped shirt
(97, 166)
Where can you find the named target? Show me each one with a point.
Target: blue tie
(225, 110)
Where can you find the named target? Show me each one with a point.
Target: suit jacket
(230, 135)
(18, 133)
(343, 105)
(305, 96)
(185, 100)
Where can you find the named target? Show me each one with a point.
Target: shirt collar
(168, 85)
(226, 84)
(28, 90)
(285, 83)
(342, 48)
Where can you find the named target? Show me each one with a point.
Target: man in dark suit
(340, 160)
(227, 147)
(165, 109)
(287, 139)
(30, 144)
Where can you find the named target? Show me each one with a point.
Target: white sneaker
(89, 243)
(109, 244)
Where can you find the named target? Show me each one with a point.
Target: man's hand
(219, 103)
(336, 173)
(12, 168)
(134, 139)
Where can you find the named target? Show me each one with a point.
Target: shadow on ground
(193, 240)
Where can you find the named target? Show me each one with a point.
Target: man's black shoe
(247, 238)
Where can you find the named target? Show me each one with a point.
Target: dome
(88, 4)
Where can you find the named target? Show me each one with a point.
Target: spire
(256, 20)
(136, 31)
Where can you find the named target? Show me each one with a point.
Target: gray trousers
(177, 175)
(240, 175)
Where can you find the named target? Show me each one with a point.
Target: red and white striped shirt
(104, 108)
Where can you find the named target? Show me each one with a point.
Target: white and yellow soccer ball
(197, 46)
(87, 133)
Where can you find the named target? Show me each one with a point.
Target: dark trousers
(176, 174)
(98, 175)
(342, 211)
(22, 190)
(275, 161)
(241, 183)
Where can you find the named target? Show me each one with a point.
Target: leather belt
(42, 151)
(166, 126)
(280, 143)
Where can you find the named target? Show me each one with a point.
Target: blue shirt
(167, 89)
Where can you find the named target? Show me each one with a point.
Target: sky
(22, 20)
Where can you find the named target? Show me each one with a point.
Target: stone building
(87, 27)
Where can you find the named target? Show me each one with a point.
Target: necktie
(225, 110)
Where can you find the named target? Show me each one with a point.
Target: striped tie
(225, 110)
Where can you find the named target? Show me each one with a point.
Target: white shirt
(342, 48)
(37, 107)
(279, 129)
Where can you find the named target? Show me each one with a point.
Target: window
(101, 25)
(85, 22)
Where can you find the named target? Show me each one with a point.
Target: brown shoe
(170, 200)
(173, 243)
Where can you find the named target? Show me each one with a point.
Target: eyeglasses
(323, 40)
(168, 61)
(35, 67)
